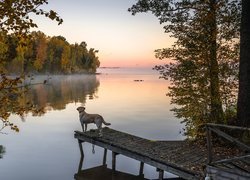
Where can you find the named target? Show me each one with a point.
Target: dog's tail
(107, 124)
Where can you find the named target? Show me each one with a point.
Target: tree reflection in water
(64, 89)
(2, 151)
(55, 94)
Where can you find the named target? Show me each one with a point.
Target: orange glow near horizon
(140, 63)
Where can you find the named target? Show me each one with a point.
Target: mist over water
(45, 147)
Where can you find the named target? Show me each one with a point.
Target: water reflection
(2, 151)
(61, 90)
(45, 146)
(103, 172)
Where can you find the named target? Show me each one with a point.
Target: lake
(132, 100)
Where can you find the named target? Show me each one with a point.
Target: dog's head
(80, 109)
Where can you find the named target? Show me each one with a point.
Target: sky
(123, 40)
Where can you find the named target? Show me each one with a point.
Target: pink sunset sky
(122, 39)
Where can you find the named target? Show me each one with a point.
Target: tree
(203, 57)
(15, 18)
(243, 107)
(3, 48)
(25, 55)
(65, 59)
(55, 51)
(40, 43)
(15, 15)
(91, 60)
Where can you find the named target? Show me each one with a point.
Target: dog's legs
(82, 127)
(100, 131)
(99, 126)
(86, 125)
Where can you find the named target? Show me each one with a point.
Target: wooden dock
(184, 159)
(181, 158)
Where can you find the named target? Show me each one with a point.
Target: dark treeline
(44, 54)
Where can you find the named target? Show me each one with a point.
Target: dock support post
(161, 173)
(113, 160)
(104, 162)
(141, 169)
(80, 164)
(82, 155)
(80, 146)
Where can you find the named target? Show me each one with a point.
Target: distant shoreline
(104, 67)
(55, 74)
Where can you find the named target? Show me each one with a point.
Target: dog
(86, 119)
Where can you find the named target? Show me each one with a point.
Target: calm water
(45, 147)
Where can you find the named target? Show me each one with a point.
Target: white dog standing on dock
(86, 118)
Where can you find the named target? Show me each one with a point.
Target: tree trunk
(243, 106)
(215, 100)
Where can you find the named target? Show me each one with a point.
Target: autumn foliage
(42, 54)
(204, 58)
(15, 24)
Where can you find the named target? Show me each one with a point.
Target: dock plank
(170, 156)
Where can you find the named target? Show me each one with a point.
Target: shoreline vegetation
(41, 54)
